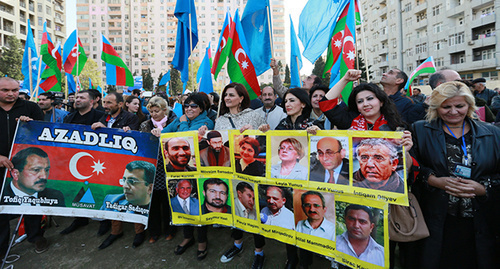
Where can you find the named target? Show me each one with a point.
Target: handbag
(406, 223)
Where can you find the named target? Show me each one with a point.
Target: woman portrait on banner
(133, 104)
(369, 108)
(290, 152)
(236, 114)
(159, 211)
(249, 149)
(458, 186)
(194, 118)
(297, 105)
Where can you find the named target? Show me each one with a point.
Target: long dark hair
(139, 113)
(388, 108)
(303, 96)
(241, 90)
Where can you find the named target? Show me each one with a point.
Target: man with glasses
(216, 154)
(216, 193)
(331, 165)
(137, 185)
(183, 202)
(378, 161)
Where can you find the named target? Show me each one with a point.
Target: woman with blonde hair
(458, 186)
(290, 152)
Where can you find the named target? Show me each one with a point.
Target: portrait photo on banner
(276, 206)
(250, 154)
(329, 159)
(360, 232)
(288, 157)
(244, 199)
(179, 154)
(314, 213)
(378, 164)
(215, 195)
(183, 195)
(214, 149)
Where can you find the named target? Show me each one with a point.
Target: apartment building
(143, 32)
(14, 15)
(459, 34)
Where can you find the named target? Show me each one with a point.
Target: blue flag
(71, 83)
(34, 61)
(204, 76)
(316, 23)
(295, 58)
(255, 24)
(183, 9)
(178, 109)
(165, 79)
(101, 91)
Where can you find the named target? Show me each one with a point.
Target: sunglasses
(193, 106)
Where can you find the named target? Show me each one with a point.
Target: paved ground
(79, 250)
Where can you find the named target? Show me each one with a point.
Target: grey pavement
(79, 250)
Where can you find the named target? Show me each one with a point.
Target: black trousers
(32, 226)
(258, 239)
(202, 233)
(159, 213)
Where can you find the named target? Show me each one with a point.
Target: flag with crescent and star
(239, 66)
(51, 56)
(85, 165)
(73, 54)
(220, 56)
(257, 27)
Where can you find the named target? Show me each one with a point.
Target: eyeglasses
(212, 191)
(376, 158)
(329, 153)
(130, 181)
(193, 106)
(313, 205)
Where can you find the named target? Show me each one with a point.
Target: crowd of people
(452, 155)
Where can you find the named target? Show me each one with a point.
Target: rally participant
(133, 104)
(51, 114)
(195, 116)
(236, 114)
(159, 212)
(307, 84)
(13, 109)
(271, 112)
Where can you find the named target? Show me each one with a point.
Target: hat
(213, 134)
(478, 80)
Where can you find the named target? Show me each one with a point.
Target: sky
(292, 7)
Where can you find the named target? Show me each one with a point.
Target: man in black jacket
(12, 108)
(115, 116)
(85, 114)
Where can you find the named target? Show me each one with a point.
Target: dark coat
(123, 119)
(318, 173)
(430, 151)
(95, 115)
(46, 193)
(254, 169)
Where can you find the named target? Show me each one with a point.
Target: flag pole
(269, 26)
(30, 70)
(298, 69)
(35, 94)
(364, 53)
(77, 54)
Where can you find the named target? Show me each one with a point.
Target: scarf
(159, 124)
(360, 123)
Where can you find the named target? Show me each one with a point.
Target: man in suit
(29, 178)
(183, 202)
(332, 166)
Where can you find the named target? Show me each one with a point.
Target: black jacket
(125, 118)
(430, 151)
(95, 115)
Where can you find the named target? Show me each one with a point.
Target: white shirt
(326, 230)
(242, 211)
(374, 253)
(20, 193)
(181, 202)
(283, 218)
(336, 173)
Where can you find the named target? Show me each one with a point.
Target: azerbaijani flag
(239, 66)
(91, 85)
(73, 55)
(51, 56)
(426, 67)
(117, 73)
(332, 65)
(222, 50)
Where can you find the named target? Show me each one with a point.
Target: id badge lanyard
(464, 147)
